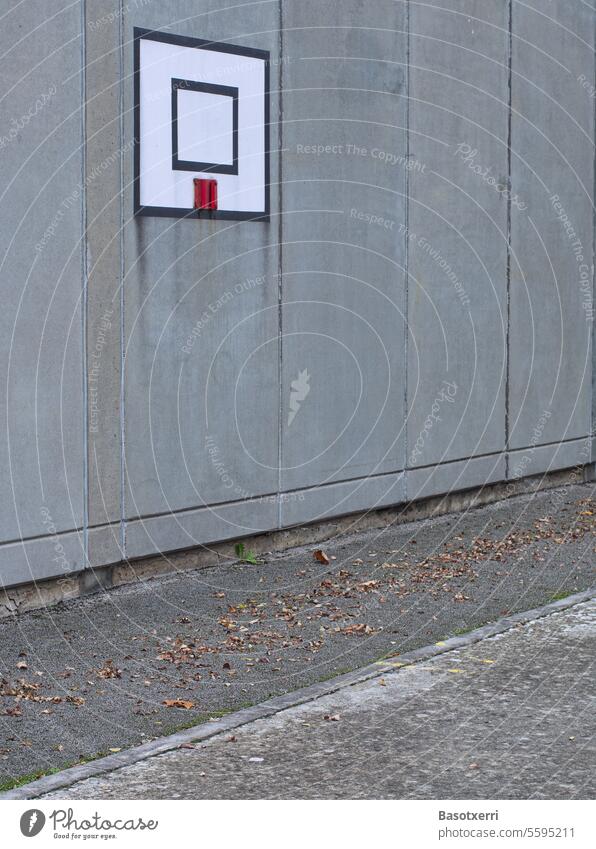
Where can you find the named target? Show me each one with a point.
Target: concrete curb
(235, 720)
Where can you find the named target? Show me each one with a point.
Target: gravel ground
(510, 717)
(119, 668)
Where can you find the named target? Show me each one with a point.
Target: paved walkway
(509, 717)
(121, 668)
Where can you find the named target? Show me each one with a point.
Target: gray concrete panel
(547, 458)
(457, 230)
(337, 499)
(41, 558)
(103, 153)
(201, 412)
(343, 196)
(450, 477)
(200, 527)
(41, 358)
(552, 172)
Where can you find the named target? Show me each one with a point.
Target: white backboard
(201, 110)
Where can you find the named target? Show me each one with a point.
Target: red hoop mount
(205, 194)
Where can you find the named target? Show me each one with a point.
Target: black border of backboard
(222, 47)
(206, 88)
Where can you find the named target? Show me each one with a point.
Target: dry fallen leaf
(179, 703)
(108, 670)
(22, 664)
(360, 628)
(320, 555)
(332, 717)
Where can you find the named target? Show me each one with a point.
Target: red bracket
(205, 194)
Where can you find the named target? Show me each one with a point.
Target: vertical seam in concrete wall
(592, 429)
(508, 271)
(122, 268)
(280, 258)
(84, 280)
(407, 251)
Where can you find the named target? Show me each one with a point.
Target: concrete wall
(42, 469)
(427, 272)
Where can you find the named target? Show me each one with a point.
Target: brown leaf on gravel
(179, 703)
(332, 717)
(320, 555)
(76, 700)
(365, 586)
(360, 628)
(13, 711)
(108, 670)
(25, 690)
(181, 652)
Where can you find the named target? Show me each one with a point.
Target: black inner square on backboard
(206, 88)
